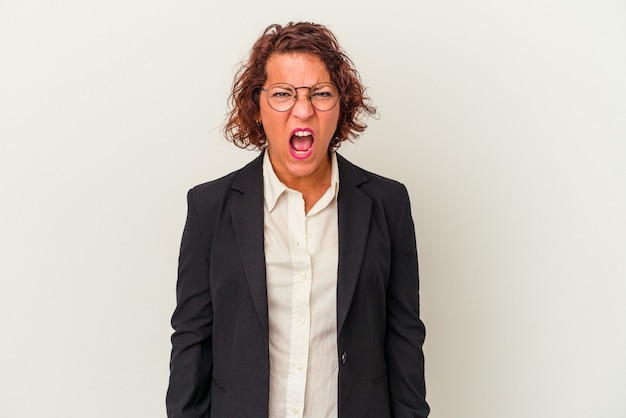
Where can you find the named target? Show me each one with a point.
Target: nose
(302, 109)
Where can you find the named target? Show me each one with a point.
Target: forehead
(298, 69)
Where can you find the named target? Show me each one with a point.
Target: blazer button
(344, 356)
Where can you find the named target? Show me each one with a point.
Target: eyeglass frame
(295, 97)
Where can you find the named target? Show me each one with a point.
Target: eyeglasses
(282, 96)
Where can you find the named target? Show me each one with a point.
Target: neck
(312, 186)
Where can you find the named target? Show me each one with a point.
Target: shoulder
(214, 187)
(390, 204)
(377, 187)
(241, 179)
(233, 184)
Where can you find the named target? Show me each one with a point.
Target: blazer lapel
(247, 214)
(354, 212)
(354, 209)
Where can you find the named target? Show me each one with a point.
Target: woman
(297, 292)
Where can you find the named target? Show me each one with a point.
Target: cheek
(264, 115)
(332, 122)
(273, 123)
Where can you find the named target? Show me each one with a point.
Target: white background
(506, 120)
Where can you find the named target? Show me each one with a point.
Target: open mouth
(301, 143)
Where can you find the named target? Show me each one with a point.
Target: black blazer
(220, 351)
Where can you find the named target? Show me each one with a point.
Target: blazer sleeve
(191, 362)
(405, 330)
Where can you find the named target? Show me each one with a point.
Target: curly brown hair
(241, 124)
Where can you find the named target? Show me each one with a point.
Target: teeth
(302, 133)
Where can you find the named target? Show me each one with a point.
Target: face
(298, 139)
